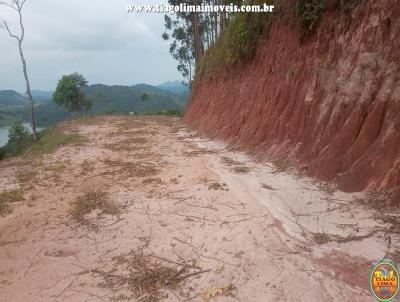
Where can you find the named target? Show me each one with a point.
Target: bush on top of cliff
(238, 41)
(309, 13)
(241, 37)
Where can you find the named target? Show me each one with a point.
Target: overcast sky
(97, 38)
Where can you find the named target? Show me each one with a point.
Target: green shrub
(18, 133)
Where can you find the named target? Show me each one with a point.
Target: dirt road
(194, 221)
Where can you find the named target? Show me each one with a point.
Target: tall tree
(179, 31)
(18, 5)
(191, 33)
(70, 93)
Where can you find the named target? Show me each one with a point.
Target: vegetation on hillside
(241, 35)
(191, 34)
(12, 98)
(21, 143)
(237, 43)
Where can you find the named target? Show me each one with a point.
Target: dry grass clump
(217, 186)
(281, 165)
(138, 132)
(146, 276)
(229, 161)
(4, 209)
(133, 169)
(129, 144)
(321, 238)
(379, 200)
(214, 186)
(237, 167)
(7, 197)
(27, 177)
(215, 291)
(148, 181)
(87, 166)
(91, 201)
(241, 169)
(196, 153)
(328, 188)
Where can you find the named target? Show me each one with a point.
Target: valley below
(146, 209)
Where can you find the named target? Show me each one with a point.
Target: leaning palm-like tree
(17, 5)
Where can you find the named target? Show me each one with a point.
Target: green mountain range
(105, 99)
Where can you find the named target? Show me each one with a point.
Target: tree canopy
(70, 93)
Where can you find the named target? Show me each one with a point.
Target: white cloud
(95, 37)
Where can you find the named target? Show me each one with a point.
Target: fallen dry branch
(145, 278)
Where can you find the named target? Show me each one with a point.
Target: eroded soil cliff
(329, 102)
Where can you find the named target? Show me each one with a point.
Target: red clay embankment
(330, 102)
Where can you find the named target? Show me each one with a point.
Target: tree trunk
(197, 38)
(28, 92)
(215, 23)
(221, 17)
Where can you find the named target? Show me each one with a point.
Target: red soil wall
(331, 102)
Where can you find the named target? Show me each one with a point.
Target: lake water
(4, 133)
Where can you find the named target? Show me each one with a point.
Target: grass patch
(7, 197)
(49, 140)
(91, 201)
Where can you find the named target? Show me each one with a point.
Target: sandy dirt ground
(212, 223)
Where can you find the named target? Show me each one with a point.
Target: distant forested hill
(12, 98)
(173, 86)
(42, 96)
(105, 99)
